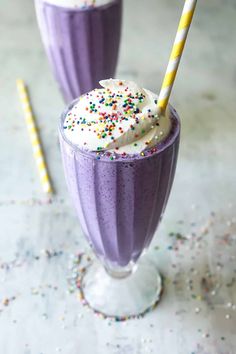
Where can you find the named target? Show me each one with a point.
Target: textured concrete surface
(197, 313)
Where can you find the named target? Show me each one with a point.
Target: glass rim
(85, 9)
(128, 157)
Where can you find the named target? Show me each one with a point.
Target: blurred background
(43, 320)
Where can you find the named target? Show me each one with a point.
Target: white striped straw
(34, 137)
(177, 50)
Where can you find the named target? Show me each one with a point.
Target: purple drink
(120, 202)
(81, 43)
(121, 187)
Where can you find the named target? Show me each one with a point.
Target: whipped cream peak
(116, 85)
(81, 4)
(121, 117)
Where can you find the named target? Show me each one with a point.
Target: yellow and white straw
(34, 137)
(177, 50)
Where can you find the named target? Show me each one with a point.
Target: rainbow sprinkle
(107, 120)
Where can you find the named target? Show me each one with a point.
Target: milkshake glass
(119, 188)
(81, 40)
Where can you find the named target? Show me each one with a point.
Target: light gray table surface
(197, 314)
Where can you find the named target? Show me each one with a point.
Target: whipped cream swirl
(81, 4)
(120, 117)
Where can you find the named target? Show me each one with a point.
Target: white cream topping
(120, 117)
(78, 3)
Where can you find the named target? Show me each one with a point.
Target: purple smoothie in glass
(120, 202)
(82, 44)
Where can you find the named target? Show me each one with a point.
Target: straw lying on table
(177, 50)
(34, 137)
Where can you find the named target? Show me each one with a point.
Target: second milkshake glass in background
(82, 44)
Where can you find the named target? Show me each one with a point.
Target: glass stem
(120, 272)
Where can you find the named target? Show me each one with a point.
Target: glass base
(121, 297)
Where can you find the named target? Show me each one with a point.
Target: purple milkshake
(81, 39)
(119, 160)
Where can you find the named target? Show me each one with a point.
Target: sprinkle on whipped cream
(121, 117)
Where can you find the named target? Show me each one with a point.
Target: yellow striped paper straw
(34, 137)
(177, 50)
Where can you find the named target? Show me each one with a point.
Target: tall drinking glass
(120, 203)
(81, 43)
